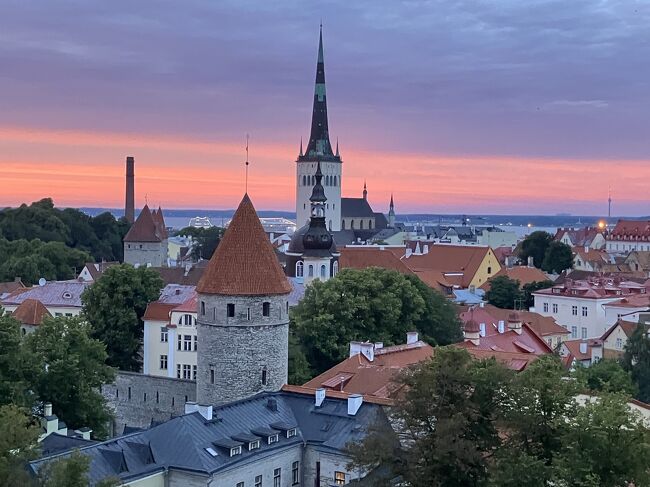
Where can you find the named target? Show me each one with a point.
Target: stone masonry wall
(236, 350)
(137, 399)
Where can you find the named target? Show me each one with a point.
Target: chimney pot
(354, 403)
(47, 409)
(531, 261)
(412, 337)
(320, 397)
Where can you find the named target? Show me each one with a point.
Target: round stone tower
(243, 315)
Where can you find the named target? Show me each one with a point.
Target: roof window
(67, 295)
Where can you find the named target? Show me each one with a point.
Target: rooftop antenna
(247, 163)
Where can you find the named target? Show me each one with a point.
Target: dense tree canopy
(529, 288)
(504, 292)
(114, 306)
(636, 360)
(99, 236)
(206, 240)
(71, 368)
(18, 435)
(558, 257)
(16, 371)
(535, 245)
(370, 304)
(464, 422)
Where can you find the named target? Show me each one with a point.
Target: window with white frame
(584, 311)
(300, 268)
(277, 477)
(574, 332)
(195, 342)
(187, 343)
(554, 307)
(583, 332)
(295, 473)
(574, 310)
(164, 334)
(335, 268)
(619, 343)
(193, 372)
(339, 478)
(163, 362)
(545, 307)
(291, 433)
(258, 481)
(273, 438)
(235, 450)
(187, 371)
(253, 445)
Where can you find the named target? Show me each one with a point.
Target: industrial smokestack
(129, 203)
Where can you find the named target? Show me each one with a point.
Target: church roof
(244, 262)
(319, 146)
(147, 227)
(356, 207)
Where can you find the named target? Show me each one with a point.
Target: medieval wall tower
(243, 315)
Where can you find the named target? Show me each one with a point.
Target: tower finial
(365, 190)
(337, 147)
(301, 147)
(247, 163)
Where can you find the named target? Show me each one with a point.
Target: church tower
(319, 150)
(391, 213)
(243, 315)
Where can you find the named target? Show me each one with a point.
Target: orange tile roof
(462, 259)
(244, 262)
(573, 346)
(362, 258)
(542, 325)
(31, 312)
(146, 228)
(523, 274)
(359, 375)
(632, 301)
(513, 360)
(158, 311)
(592, 255)
(337, 394)
(631, 230)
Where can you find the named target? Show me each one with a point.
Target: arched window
(264, 376)
(335, 268)
(202, 308)
(351, 224)
(311, 271)
(330, 226)
(334, 180)
(323, 271)
(360, 224)
(300, 268)
(342, 224)
(304, 180)
(186, 320)
(370, 224)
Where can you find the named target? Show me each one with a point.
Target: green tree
(14, 367)
(504, 292)
(528, 289)
(206, 240)
(299, 369)
(535, 245)
(18, 435)
(606, 375)
(114, 306)
(447, 419)
(558, 257)
(71, 369)
(636, 360)
(70, 471)
(605, 443)
(370, 304)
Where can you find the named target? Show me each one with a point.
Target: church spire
(365, 190)
(319, 139)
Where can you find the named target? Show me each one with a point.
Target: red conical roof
(31, 312)
(244, 262)
(146, 228)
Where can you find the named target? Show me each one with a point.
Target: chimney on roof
(509, 261)
(412, 337)
(17, 279)
(409, 252)
(129, 201)
(47, 409)
(379, 345)
(354, 403)
(205, 411)
(471, 332)
(472, 289)
(531, 261)
(84, 433)
(367, 349)
(272, 404)
(514, 322)
(320, 397)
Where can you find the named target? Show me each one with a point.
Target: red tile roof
(146, 228)
(513, 360)
(631, 230)
(244, 262)
(158, 311)
(597, 287)
(11, 286)
(371, 256)
(542, 325)
(359, 375)
(337, 394)
(31, 312)
(579, 236)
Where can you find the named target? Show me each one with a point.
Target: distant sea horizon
(179, 218)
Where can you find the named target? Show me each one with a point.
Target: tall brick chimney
(129, 202)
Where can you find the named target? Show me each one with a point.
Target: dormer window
(67, 295)
(273, 439)
(254, 445)
(236, 450)
(291, 432)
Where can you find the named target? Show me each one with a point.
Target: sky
(457, 106)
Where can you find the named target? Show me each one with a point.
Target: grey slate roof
(355, 207)
(328, 428)
(54, 293)
(55, 443)
(176, 294)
